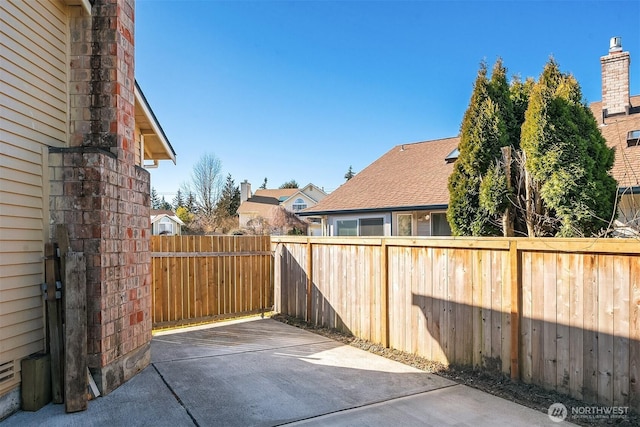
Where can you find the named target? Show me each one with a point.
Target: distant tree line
(207, 203)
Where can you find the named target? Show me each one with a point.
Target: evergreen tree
(569, 191)
(229, 199)
(155, 200)
(178, 200)
(264, 184)
(289, 184)
(485, 129)
(532, 160)
(350, 174)
(190, 203)
(165, 205)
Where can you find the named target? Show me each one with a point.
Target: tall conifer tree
(484, 130)
(569, 189)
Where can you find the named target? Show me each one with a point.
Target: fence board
(605, 327)
(439, 306)
(526, 322)
(537, 319)
(495, 284)
(563, 282)
(590, 335)
(476, 307)
(549, 272)
(576, 325)
(504, 311)
(486, 304)
(621, 291)
(634, 334)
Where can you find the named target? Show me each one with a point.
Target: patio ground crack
(195, 423)
(364, 405)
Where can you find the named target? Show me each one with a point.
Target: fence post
(309, 277)
(384, 293)
(514, 278)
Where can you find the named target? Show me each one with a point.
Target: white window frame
(299, 204)
(386, 222)
(166, 224)
(370, 218)
(337, 228)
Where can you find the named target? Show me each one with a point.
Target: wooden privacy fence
(560, 313)
(196, 278)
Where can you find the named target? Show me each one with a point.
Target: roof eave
(86, 4)
(164, 149)
(433, 207)
(629, 190)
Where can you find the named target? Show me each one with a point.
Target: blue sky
(304, 89)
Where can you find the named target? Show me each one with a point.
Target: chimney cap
(615, 44)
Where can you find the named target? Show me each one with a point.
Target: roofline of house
(629, 190)
(175, 218)
(139, 95)
(300, 192)
(376, 210)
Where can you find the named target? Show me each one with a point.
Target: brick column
(102, 196)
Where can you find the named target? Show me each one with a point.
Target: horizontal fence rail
(198, 278)
(560, 313)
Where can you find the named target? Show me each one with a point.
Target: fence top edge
(551, 244)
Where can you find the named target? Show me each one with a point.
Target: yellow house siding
(33, 115)
(34, 69)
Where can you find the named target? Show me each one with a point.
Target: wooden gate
(199, 278)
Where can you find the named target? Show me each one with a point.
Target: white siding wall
(33, 115)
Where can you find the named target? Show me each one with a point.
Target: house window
(372, 227)
(165, 226)
(439, 224)
(405, 226)
(633, 138)
(452, 156)
(299, 205)
(347, 227)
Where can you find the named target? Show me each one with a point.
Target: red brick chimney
(615, 79)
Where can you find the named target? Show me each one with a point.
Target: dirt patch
(529, 395)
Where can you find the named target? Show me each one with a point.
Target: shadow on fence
(568, 322)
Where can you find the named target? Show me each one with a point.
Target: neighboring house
(75, 132)
(165, 222)
(619, 116)
(405, 192)
(263, 208)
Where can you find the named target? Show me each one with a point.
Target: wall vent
(7, 372)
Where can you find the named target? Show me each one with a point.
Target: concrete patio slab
(259, 372)
(144, 400)
(450, 406)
